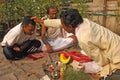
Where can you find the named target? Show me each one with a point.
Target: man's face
(69, 28)
(52, 13)
(29, 29)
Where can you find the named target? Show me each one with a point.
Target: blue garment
(26, 48)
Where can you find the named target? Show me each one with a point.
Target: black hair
(27, 20)
(51, 7)
(71, 17)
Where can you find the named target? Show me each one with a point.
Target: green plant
(71, 74)
(12, 11)
(16, 9)
(81, 6)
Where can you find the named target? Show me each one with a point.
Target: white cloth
(46, 77)
(52, 23)
(92, 67)
(53, 33)
(59, 44)
(54, 29)
(16, 35)
(89, 67)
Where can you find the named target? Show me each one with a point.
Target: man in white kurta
(64, 41)
(16, 35)
(52, 36)
(101, 44)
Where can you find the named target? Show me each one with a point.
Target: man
(51, 34)
(99, 43)
(20, 40)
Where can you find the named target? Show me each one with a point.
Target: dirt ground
(25, 69)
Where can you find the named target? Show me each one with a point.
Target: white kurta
(16, 35)
(101, 44)
(55, 30)
(56, 36)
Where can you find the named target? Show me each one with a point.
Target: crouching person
(21, 40)
(99, 43)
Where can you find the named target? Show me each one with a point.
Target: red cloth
(77, 56)
(36, 56)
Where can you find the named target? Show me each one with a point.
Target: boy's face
(69, 28)
(29, 29)
(52, 13)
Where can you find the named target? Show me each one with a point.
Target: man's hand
(16, 48)
(75, 41)
(37, 19)
(95, 76)
(49, 48)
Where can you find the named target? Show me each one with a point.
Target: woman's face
(69, 28)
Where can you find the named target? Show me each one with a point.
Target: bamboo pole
(104, 12)
(118, 12)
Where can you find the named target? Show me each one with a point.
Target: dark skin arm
(43, 37)
(37, 19)
(75, 41)
(43, 32)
